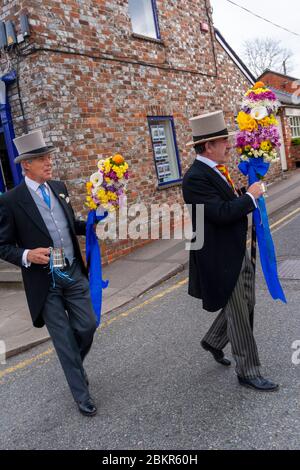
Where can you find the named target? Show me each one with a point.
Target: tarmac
(129, 277)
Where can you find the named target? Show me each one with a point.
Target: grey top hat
(31, 145)
(209, 126)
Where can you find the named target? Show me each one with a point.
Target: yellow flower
(246, 122)
(257, 91)
(107, 166)
(112, 196)
(266, 146)
(91, 205)
(89, 186)
(268, 121)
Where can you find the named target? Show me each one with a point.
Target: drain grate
(289, 269)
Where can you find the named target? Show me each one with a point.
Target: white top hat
(31, 145)
(210, 126)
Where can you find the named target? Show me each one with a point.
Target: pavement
(156, 387)
(130, 276)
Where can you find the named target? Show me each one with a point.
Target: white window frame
(155, 21)
(295, 126)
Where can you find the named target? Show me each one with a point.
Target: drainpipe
(7, 125)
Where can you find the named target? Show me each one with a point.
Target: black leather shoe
(259, 383)
(86, 378)
(87, 408)
(217, 354)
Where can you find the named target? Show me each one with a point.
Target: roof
(277, 73)
(236, 59)
(286, 98)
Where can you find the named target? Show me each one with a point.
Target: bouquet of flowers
(257, 143)
(105, 193)
(258, 134)
(107, 187)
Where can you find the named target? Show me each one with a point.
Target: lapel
(26, 201)
(215, 179)
(62, 201)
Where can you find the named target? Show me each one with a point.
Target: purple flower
(255, 138)
(246, 109)
(266, 95)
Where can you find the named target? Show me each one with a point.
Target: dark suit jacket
(21, 227)
(214, 269)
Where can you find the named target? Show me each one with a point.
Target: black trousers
(71, 322)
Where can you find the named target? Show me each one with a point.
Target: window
(295, 125)
(165, 150)
(144, 19)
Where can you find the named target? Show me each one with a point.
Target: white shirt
(213, 165)
(34, 186)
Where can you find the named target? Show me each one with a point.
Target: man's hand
(256, 190)
(39, 256)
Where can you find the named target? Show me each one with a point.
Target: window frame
(295, 126)
(156, 24)
(151, 120)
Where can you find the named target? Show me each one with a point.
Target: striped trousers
(233, 324)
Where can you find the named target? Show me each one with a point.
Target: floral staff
(106, 192)
(257, 143)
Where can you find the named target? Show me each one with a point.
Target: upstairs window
(144, 19)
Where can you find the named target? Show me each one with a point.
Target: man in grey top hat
(38, 226)
(221, 273)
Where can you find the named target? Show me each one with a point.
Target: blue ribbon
(255, 169)
(93, 258)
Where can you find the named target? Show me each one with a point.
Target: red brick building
(104, 76)
(287, 90)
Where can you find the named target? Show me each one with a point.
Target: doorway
(6, 176)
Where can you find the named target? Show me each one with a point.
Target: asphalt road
(154, 385)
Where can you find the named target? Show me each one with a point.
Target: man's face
(220, 150)
(39, 168)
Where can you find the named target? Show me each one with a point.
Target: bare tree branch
(260, 54)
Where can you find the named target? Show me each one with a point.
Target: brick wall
(90, 85)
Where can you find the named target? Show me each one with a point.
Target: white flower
(96, 179)
(100, 164)
(66, 198)
(258, 113)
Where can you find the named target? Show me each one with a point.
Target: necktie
(45, 194)
(222, 169)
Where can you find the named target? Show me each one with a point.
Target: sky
(237, 25)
